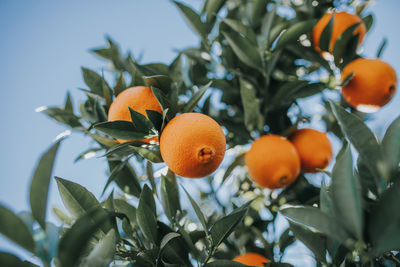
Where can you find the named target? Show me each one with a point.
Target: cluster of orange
(193, 145)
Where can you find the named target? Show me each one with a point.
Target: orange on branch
(372, 86)
(252, 259)
(192, 145)
(341, 21)
(314, 149)
(273, 162)
(138, 98)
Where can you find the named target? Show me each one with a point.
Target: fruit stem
(205, 154)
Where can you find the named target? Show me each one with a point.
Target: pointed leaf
(121, 129)
(240, 28)
(14, 228)
(141, 122)
(391, 145)
(161, 82)
(146, 220)
(293, 33)
(193, 19)
(381, 48)
(198, 212)
(313, 217)
(40, 184)
(251, 105)
(7, 259)
(170, 196)
(93, 80)
(126, 179)
(191, 104)
(342, 43)
(325, 39)
(103, 253)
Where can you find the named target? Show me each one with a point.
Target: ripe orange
(138, 98)
(341, 21)
(372, 86)
(273, 162)
(192, 145)
(314, 149)
(251, 258)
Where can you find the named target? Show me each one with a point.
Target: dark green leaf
(347, 79)
(381, 48)
(342, 43)
(244, 50)
(391, 144)
(242, 29)
(168, 237)
(191, 104)
(238, 161)
(62, 116)
(74, 241)
(161, 82)
(198, 212)
(10, 260)
(170, 196)
(313, 217)
(325, 199)
(384, 225)
(126, 179)
(152, 155)
(104, 251)
(146, 219)
(14, 228)
(223, 227)
(121, 129)
(313, 240)
(93, 80)
(346, 194)
(294, 32)
(193, 19)
(141, 123)
(40, 184)
(156, 119)
(68, 106)
(325, 39)
(211, 9)
(251, 105)
(368, 21)
(363, 140)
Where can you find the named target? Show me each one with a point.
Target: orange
(314, 149)
(251, 258)
(192, 145)
(273, 162)
(341, 21)
(372, 86)
(138, 98)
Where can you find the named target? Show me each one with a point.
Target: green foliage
(258, 63)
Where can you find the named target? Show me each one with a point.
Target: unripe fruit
(273, 162)
(192, 145)
(138, 98)
(341, 21)
(372, 86)
(314, 149)
(251, 258)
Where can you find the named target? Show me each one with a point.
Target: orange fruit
(314, 149)
(138, 98)
(341, 21)
(372, 86)
(252, 259)
(273, 162)
(192, 145)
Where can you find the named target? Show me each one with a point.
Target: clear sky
(44, 43)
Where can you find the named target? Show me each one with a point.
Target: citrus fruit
(251, 258)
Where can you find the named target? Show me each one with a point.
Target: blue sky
(44, 43)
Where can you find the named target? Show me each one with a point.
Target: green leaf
(62, 116)
(14, 228)
(93, 80)
(90, 153)
(346, 194)
(266, 26)
(191, 104)
(164, 102)
(242, 29)
(198, 212)
(103, 253)
(78, 200)
(312, 240)
(152, 155)
(141, 123)
(147, 197)
(125, 208)
(325, 199)
(146, 219)
(238, 161)
(313, 217)
(224, 226)
(193, 19)
(75, 240)
(7, 259)
(156, 119)
(293, 33)
(381, 48)
(211, 9)
(251, 105)
(255, 11)
(150, 176)
(342, 43)
(121, 129)
(368, 21)
(168, 237)
(170, 196)
(126, 179)
(347, 79)
(40, 184)
(225, 263)
(161, 82)
(114, 174)
(391, 145)
(363, 140)
(325, 39)
(384, 225)
(64, 218)
(68, 106)
(244, 50)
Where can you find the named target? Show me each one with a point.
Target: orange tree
(255, 62)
